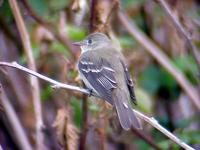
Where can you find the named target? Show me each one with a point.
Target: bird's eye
(89, 41)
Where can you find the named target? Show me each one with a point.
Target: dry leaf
(67, 133)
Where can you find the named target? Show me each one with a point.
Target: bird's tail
(124, 110)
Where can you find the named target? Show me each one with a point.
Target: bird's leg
(90, 92)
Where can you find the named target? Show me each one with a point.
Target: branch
(55, 84)
(157, 53)
(92, 25)
(151, 121)
(14, 121)
(83, 135)
(114, 7)
(156, 125)
(181, 31)
(31, 64)
(100, 13)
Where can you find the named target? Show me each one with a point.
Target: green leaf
(183, 123)
(58, 47)
(187, 65)
(168, 144)
(93, 107)
(169, 84)
(128, 3)
(75, 33)
(57, 5)
(156, 80)
(165, 144)
(127, 42)
(5, 11)
(150, 79)
(76, 104)
(141, 144)
(36, 54)
(164, 121)
(46, 93)
(39, 6)
(72, 74)
(145, 103)
(190, 137)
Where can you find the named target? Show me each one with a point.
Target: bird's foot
(90, 92)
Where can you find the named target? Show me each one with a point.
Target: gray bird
(103, 70)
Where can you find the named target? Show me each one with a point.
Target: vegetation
(161, 47)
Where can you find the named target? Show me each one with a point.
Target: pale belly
(88, 85)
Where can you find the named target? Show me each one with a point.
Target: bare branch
(92, 25)
(31, 63)
(14, 121)
(161, 58)
(156, 125)
(182, 32)
(151, 121)
(100, 14)
(55, 84)
(114, 6)
(83, 135)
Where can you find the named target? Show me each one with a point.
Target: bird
(103, 69)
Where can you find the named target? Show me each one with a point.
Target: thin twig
(31, 64)
(101, 131)
(92, 15)
(55, 84)
(100, 14)
(14, 121)
(161, 58)
(151, 121)
(156, 125)
(182, 32)
(114, 6)
(84, 132)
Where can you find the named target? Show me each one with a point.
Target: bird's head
(93, 41)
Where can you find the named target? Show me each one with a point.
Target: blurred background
(71, 119)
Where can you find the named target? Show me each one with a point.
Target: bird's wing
(100, 75)
(129, 82)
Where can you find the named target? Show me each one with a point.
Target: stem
(182, 32)
(31, 64)
(83, 135)
(14, 121)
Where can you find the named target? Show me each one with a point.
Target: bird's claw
(90, 92)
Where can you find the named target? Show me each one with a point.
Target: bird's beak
(80, 43)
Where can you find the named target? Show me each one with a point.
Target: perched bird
(103, 70)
